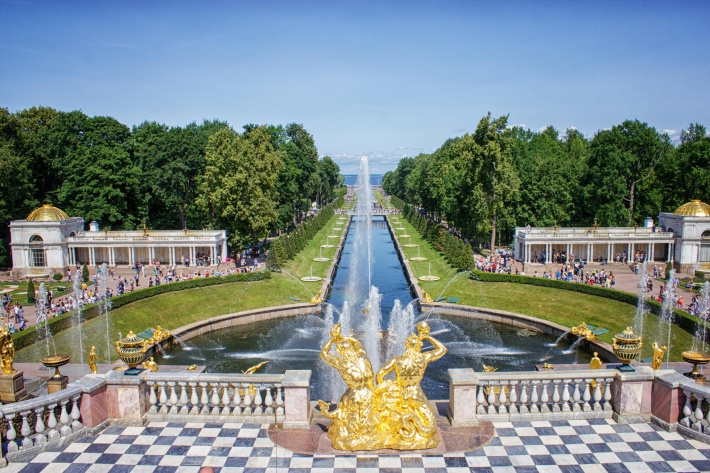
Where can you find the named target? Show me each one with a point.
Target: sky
(386, 79)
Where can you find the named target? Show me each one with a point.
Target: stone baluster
(194, 399)
(566, 396)
(687, 410)
(279, 402)
(481, 401)
(204, 399)
(215, 399)
(226, 410)
(491, 399)
(524, 398)
(237, 401)
(269, 402)
(64, 419)
(544, 398)
(52, 433)
(258, 401)
(502, 399)
(163, 398)
(11, 436)
(698, 416)
(556, 396)
(587, 396)
(184, 400)
(75, 414)
(513, 396)
(597, 397)
(25, 431)
(173, 398)
(40, 438)
(247, 400)
(153, 400)
(534, 399)
(607, 395)
(576, 396)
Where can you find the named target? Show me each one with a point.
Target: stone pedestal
(462, 397)
(297, 399)
(57, 384)
(631, 395)
(668, 398)
(126, 396)
(12, 387)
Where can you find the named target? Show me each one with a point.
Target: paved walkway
(564, 446)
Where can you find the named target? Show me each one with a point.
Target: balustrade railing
(544, 395)
(696, 411)
(41, 420)
(248, 398)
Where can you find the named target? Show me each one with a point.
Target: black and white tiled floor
(567, 447)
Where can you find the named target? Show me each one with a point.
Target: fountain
(641, 310)
(327, 239)
(320, 257)
(429, 277)
(667, 313)
(78, 319)
(311, 278)
(104, 304)
(699, 341)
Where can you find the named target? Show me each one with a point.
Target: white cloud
(513, 125)
(673, 134)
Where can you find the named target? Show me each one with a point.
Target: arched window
(72, 234)
(705, 235)
(37, 256)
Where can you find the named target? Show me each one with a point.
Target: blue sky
(382, 78)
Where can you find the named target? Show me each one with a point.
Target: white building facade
(49, 241)
(681, 237)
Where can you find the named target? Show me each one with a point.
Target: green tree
(85, 273)
(686, 175)
(238, 188)
(620, 181)
(30, 291)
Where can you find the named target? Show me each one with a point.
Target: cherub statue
(150, 365)
(658, 354)
(92, 361)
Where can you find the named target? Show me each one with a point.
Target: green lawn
(171, 311)
(18, 290)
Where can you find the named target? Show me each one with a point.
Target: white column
(131, 256)
(651, 250)
(212, 255)
(92, 256)
(527, 253)
(608, 252)
(171, 255)
(629, 253)
(224, 250)
(192, 255)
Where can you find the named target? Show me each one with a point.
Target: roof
(47, 213)
(694, 208)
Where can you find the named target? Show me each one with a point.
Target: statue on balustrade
(396, 413)
(7, 349)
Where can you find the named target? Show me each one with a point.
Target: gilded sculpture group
(395, 413)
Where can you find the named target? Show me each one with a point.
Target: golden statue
(7, 348)
(405, 416)
(583, 331)
(317, 299)
(354, 422)
(426, 298)
(191, 368)
(254, 368)
(394, 415)
(92, 361)
(548, 366)
(150, 365)
(658, 354)
(489, 369)
(159, 334)
(595, 363)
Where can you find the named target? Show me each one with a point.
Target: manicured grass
(303, 263)
(18, 290)
(171, 311)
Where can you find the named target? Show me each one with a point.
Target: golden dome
(47, 213)
(694, 208)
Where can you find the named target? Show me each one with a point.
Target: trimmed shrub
(30, 291)
(57, 277)
(85, 273)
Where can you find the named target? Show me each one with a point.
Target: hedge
(65, 321)
(681, 318)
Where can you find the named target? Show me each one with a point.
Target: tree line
(486, 183)
(260, 180)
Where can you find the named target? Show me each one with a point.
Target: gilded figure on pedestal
(7, 349)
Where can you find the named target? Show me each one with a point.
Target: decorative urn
(55, 362)
(626, 346)
(696, 358)
(131, 350)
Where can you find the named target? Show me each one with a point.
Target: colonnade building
(681, 238)
(49, 241)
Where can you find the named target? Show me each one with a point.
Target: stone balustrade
(212, 397)
(549, 395)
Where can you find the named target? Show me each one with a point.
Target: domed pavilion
(49, 241)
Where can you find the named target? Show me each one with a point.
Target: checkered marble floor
(570, 446)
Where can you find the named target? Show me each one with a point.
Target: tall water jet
(373, 319)
(105, 306)
(359, 285)
(400, 326)
(699, 341)
(641, 304)
(42, 318)
(667, 314)
(78, 319)
(332, 383)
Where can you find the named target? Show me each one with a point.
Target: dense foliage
(263, 180)
(486, 183)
